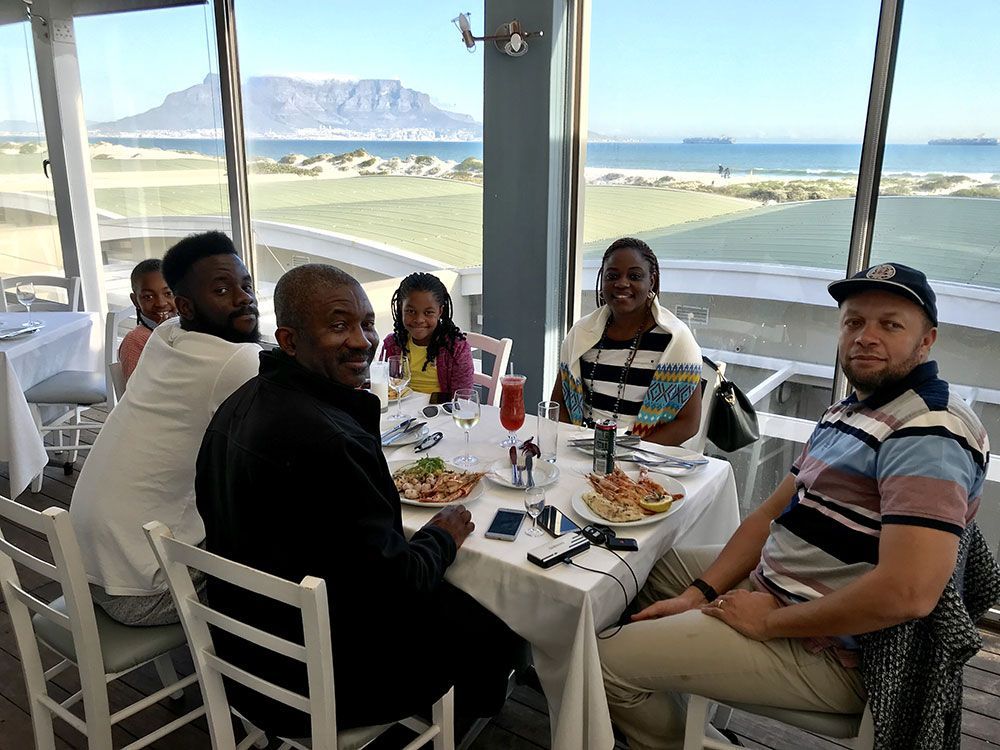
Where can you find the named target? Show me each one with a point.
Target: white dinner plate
(475, 494)
(542, 472)
(669, 484)
(409, 439)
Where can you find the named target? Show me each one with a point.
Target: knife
(398, 428)
(411, 428)
(527, 465)
(515, 475)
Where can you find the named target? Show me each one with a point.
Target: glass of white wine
(465, 411)
(25, 292)
(399, 378)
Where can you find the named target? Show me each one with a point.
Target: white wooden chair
(309, 596)
(500, 349)
(71, 285)
(855, 731)
(116, 325)
(81, 634)
(711, 378)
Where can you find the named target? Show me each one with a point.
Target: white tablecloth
(560, 610)
(69, 341)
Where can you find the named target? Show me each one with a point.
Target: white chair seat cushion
(840, 726)
(69, 387)
(348, 739)
(123, 647)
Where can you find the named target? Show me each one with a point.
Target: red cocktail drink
(512, 405)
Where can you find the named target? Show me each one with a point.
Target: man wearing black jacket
(291, 480)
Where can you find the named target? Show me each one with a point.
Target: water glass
(534, 501)
(465, 411)
(548, 430)
(399, 378)
(378, 374)
(25, 293)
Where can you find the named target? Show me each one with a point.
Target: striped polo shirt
(607, 373)
(911, 453)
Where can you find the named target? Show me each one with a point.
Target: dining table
(65, 341)
(562, 610)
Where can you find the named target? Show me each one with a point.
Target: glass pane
(29, 234)
(365, 153)
(939, 209)
(729, 141)
(151, 95)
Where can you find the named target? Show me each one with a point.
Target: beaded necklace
(633, 350)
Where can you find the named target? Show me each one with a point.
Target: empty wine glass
(534, 501)
(25, 292)
(399, 378)
(465, 411)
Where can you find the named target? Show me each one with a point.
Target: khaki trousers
(648, 666)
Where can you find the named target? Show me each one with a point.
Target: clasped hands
(747, 612)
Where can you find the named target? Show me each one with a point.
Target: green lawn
(441, 219)
(31, 163)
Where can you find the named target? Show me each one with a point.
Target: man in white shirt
(142, 465)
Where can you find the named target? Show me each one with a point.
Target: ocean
(778, 159)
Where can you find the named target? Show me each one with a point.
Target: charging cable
(615, 579)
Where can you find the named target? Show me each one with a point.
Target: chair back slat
(112, 339)
(39, 607)
(29, 561)
(248, 632)
(234, 573)
(70, 284)
(500, 349)
(711, 379)
(255, 683)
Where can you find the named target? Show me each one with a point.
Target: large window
(29, 236)
(151, 97)
(940, 204)
(729, 140)
(365, 148)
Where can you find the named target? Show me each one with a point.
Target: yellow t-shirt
(421, 380)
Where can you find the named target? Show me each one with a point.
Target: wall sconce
(509, 38)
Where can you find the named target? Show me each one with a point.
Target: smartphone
(556, 522)
(439, 397)
(505, 525)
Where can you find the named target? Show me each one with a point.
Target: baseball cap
(889, 277)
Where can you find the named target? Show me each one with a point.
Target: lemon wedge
(661, 505)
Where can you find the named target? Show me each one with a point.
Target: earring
(650, 296)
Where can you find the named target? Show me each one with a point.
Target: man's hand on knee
(690, 599)
(744, 611)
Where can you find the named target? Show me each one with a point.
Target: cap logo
(881, 273)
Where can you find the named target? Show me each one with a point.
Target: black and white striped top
(613, 355)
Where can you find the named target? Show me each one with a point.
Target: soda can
(604, 446)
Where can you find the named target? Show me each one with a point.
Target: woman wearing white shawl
(631, 360)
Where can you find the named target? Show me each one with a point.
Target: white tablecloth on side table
(560, 610)
(67, 342)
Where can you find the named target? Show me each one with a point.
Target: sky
(773, 71)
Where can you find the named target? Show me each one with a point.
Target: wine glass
(534, 501)
(25, 292)
(465, 412)
(511, 406)
(399, 378)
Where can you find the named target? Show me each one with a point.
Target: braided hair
(445, 334)
(643, 249)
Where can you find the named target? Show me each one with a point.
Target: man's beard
(869, 383)
(227, 332)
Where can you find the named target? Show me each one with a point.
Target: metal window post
(232, 126)
(69, 152)
(872, 152)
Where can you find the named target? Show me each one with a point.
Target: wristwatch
(706, 589)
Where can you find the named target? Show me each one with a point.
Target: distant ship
(714, 141)
(963, 142)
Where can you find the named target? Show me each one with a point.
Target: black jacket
(291, 480)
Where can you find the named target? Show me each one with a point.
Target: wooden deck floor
(522, 725)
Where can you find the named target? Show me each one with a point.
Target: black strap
(706, 589)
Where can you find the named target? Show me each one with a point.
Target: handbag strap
(710, 363)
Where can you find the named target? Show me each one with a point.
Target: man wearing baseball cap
(862, 534)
